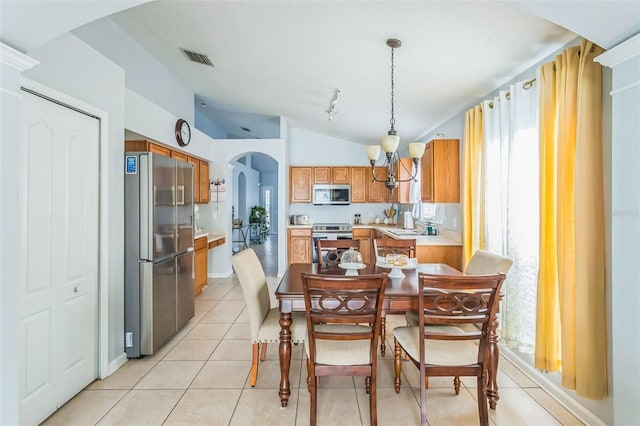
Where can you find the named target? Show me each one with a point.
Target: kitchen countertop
(211, 236)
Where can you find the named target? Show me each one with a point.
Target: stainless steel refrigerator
(159, 228)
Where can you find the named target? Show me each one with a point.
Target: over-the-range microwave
(332, 194)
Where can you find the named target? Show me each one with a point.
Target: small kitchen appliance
(299, 219)
(408, 220)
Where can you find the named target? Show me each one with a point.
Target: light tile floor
(201, 378)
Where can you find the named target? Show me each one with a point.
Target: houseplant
(257, 214)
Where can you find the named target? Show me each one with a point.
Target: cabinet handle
(75, 289)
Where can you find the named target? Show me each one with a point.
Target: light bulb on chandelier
(391, 141)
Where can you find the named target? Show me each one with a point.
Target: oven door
(316, 237)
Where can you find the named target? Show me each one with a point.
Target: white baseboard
(555, 391)
(115, 364)
(220, 274)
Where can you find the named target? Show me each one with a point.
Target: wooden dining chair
(437, 346)
(385, 246)
(336, 345)
(330, 251)
(481, 263)
(264, 321)
(381, 248)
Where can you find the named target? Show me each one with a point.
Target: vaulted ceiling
(287, 58)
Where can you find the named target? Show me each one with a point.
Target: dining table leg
(494, 354)
(285, 357)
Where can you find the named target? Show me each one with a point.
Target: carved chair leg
(313, 390)
(397, 364)
(367, 384)
(253, 377)
(456, 384)
(483, 410)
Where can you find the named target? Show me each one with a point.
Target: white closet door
(59, 290)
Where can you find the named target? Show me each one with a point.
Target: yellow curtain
(472, 184)
(570, 328)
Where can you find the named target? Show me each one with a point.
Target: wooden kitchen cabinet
(300, 180)
(300, 245)
(200, 264)
(322, 175)
(331, 175)
(360, 177)
(363, 235)
(341, 175)
(377, 192)
(180, 156)
(402, 193)
(196, 178)
(441, 171)
(451, 255)
(203, 180)
(216, 243)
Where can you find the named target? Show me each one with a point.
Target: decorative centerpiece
(351, 260)
(397, 262)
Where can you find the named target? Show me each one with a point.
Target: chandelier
(390, 143)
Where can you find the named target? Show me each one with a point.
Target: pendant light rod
(393, 43)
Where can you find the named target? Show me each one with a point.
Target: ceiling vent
(197, 57)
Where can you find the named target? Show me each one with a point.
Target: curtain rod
(526, 86)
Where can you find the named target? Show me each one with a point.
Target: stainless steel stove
(330, 231)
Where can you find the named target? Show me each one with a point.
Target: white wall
(625, 228)
(145, 74)
(92, 78)
(144, 117)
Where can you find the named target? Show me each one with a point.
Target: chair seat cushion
(269, 331)
(438, 352)
(342, 352)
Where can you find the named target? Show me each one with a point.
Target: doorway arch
(226, 155)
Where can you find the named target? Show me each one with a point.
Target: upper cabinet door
(321, 175)
(441, 171)
(360, 177)
(204, 182)
(340, 175)
(300, 179)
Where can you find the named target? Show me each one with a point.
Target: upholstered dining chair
(336, 344)
(381, 248)
(330, 251)
(482, 262)
(264, 321)
(437, 346)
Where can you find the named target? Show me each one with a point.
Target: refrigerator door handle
(146, 208)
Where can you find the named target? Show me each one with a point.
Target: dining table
(400, 296)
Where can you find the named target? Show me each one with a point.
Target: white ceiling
(287, 58)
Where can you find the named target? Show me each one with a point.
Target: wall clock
(183, 132)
